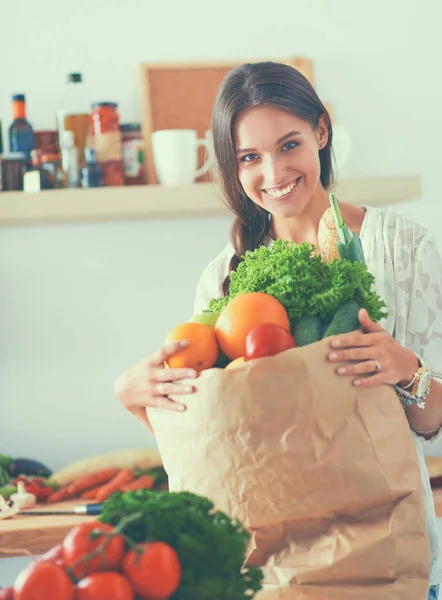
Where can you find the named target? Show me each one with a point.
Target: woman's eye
(290, 145)
(249, 157)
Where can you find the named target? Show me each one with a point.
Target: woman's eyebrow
(282, 139)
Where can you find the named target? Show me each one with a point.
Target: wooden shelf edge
(156, 201)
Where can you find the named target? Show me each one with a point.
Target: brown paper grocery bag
(324, 475)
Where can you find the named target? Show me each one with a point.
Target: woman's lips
(283, 192)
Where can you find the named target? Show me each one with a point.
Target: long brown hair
(250, 85)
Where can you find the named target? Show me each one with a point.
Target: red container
(105, 132)
(113, 172)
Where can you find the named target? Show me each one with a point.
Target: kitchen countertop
(37, 534)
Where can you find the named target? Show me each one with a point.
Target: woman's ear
(322, 130)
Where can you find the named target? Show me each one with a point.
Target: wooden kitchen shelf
(156, 201)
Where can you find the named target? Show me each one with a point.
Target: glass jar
(13, 167)
(51, 163)
(133, 154)
(105, 132)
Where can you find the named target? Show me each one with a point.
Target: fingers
(355, 354)
(357, 339)
(157, 359)
(361, 368)
(170, 389)
(168, 404)
(369, 325)
(373, 381)
(173, 374)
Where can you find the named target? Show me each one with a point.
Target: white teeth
(283, 192)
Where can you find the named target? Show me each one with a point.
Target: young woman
(273, 144)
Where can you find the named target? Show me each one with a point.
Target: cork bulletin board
(181, 96)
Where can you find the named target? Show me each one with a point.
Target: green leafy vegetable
(349, 245)
(302, 282)
(211, 546)
(5, 476)
(5, 461)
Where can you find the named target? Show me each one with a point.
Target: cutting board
(37, 534)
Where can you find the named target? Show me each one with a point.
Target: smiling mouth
(282, 191)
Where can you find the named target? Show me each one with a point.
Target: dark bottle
(1, 139)
(21, 134)
(91, 173)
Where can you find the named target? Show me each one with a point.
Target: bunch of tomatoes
(95, 562)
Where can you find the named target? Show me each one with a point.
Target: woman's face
(278, 159)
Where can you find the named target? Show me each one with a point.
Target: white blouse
(406, 264)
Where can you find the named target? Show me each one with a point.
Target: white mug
(342, 144)
(175, 156)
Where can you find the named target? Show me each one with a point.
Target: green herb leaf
(302, 282)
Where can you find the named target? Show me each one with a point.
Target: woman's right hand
(149, 383)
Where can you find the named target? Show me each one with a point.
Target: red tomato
(104, 586)
(54, 554)
(82, 540)
(43, 580)
(154, 574)
(7, 593)
(267, 339)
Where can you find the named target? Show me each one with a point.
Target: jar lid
(127, 127)
(75, 78)
(13, 156)
(18, 97)
(104, 105)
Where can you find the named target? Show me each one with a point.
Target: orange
(241, 315)
(202, 351)
(236, 363)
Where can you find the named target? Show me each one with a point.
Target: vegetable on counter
(210, 545)
(114, 485)
(27, 466)
(22, 498)
(146, 546)
(144, 458)
(91, 480)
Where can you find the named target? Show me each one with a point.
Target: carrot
(144, 482)
(61, 494)
(92, 480)
(90, 493)
(114, 485)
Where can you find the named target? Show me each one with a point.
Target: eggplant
(27, 466)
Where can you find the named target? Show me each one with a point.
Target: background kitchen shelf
(156, 201)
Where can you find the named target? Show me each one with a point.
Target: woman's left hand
(375, 355)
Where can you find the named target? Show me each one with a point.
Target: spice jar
(133, 154)
(51, 163)
(106, 132)
(13, 167)
(107, 143)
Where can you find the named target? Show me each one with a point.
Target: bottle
(1, 139)
(69, 159)
(74, 114)
(21, 134)
(91, 173)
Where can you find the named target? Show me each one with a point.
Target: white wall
(81, 302)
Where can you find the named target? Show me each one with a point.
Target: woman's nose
(273, 171)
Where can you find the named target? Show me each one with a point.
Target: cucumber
(28, 466)
(7, 490)
(345, 319)
(308, 330)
